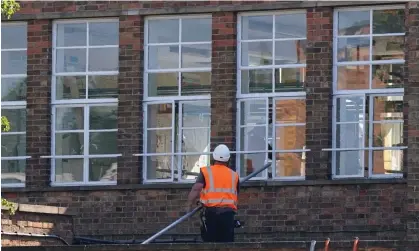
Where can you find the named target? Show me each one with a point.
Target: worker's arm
(196, 190)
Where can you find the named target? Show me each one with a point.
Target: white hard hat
(221, 153)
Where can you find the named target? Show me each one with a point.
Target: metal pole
(313, 246)
(190, 214)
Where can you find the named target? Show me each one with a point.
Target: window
(13, 103)
(271, 98)
(368, 92)
(177, 97)
(84, 102)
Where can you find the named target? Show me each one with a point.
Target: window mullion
(179, 130)
(86, 144)
(173, 139)
(273, 165)
(370, 133)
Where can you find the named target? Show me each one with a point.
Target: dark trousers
(219, 226)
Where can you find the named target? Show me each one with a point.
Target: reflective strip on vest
(211, 188)
(219, 201)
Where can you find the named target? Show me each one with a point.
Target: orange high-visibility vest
(220, 187)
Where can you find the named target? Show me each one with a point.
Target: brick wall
(38, 125)
(319, 88)
(131, 57)
(269, 213)
(223, 79)
(412, 91)
(316, 208)
(37, 220)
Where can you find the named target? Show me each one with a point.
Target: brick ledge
(188, 186)
(28, 208)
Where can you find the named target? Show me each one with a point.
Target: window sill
(270, 183)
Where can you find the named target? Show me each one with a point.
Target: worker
(217, 188)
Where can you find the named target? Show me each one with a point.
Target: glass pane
(159, 141)
(251, 162)
(196, 83)
(13, 171)
(13, 89)
(388, 108)
(13, 145)
(353, 77)
(71, 35)
(159, 167)
(163, 84)
(196, 114)
(159, 115)
(69, 143)
(351, 162)
(350, 109)
(291, 25)
(191, 164)
(256, 81)
(353, 49)
(14, 36)
(71, 60)
(290, 164)
(16, 118)
(103, 117)
(163, 31)
(290, 111)
(103, 86)
(387, 48)
(69, 118)
(106, 33)
(253, 138)
(196, 29)
(253, 112)
(163, 57)
(257, 27)
(71, 87)
(353, 22)
(103, 143)
(388, 21)
(388, 134)
(103, 169)
(287, 79)
(290, 137)
(350, 135)
(103, 59)
(196, 56)
(68, 170)
(387, 162)
(13, 62)
(387, 76)
(290, 52)
(256, 53)
(195, 140)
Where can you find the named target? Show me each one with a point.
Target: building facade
(114, 106)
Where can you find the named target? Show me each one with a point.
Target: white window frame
(175, 100)
(273, 96)
(12, 105)
(367, 94)
(84, 103)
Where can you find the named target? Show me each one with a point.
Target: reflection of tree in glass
(388, 21)
(16, 93)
